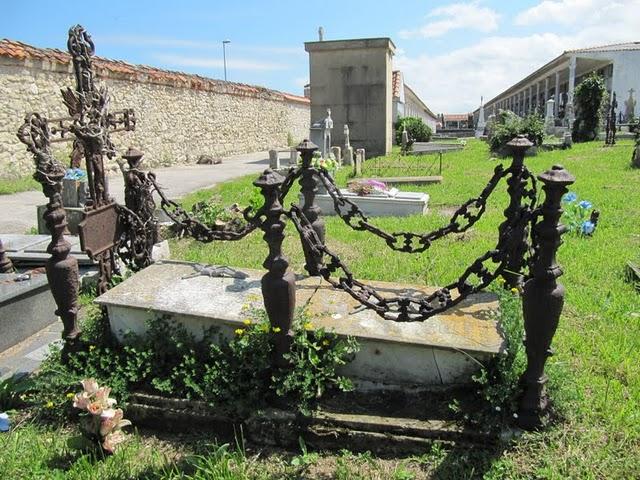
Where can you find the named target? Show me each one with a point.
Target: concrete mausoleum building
(407, 104)
(619, 64)
(354, 79)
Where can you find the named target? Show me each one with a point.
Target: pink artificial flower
(90, 386)
(102, 396)
(95, 408)
(81, 400)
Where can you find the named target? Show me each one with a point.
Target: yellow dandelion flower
(70, 395)
(239, 331)
(246, 321)
(501, 280)
(325, 342)
(514, 290)
(308, 325)
(276, 330)
(49, 404)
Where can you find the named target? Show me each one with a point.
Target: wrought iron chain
(407, 308)
(463, 218)
(134, 248)
(293, 174)
(200, 231)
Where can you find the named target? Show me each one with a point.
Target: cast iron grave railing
(528, 237)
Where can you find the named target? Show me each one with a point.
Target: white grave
(393, 203)
(445, 349)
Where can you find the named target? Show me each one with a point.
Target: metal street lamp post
(224, 57)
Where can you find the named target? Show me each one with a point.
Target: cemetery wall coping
(57, 60)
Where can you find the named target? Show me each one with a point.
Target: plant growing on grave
(497, 383)
(588, 97)
(416, 128)
(232, 374)
(508, 125)
(13, 390)
(212, 212)
(101, 422)
(315, 357)
(580, 218)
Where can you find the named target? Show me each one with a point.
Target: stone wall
(179, 116)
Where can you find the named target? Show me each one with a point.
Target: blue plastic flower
(587, 227)
(570, 197)
(585, 204)
(4, 422)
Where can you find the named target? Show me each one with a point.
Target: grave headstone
(549, 119)
(336, 152)
(326, 138)
(347, 156)
(347, 142)
(274, 160)
(630, 106)
(359, 161)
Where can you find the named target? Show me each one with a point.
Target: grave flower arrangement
(75, 174)
(330, 164)
(579, 216)
(367, 187)
(101, 421)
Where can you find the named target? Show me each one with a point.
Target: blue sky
(451, 53)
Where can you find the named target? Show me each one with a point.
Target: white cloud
(575, 12)
(452, 82)
(208, 62)
(455, 16)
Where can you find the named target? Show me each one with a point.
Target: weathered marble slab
(444, 349)
(401, 204)
(13, 242)
(32, 249)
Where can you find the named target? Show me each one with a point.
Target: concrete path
(18, 211)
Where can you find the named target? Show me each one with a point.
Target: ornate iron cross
(90, 124)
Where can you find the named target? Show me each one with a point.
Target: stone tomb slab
(400, 204)
(26, 307)
(32, 249)
(446, 349)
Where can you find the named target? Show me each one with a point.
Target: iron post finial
(558, 175)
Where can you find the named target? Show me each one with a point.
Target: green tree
(588, 97)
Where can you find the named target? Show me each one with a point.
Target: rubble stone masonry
(179, 116)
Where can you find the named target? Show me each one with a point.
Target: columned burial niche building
(180, 116)
(619, 64)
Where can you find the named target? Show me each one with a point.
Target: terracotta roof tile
(119, 69)
(396, 80)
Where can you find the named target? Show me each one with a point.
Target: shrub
(416, 128)
(507, 125)
(234, 375)
(588, 98)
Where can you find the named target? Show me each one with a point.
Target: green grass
(594, 374)
(16, 185)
